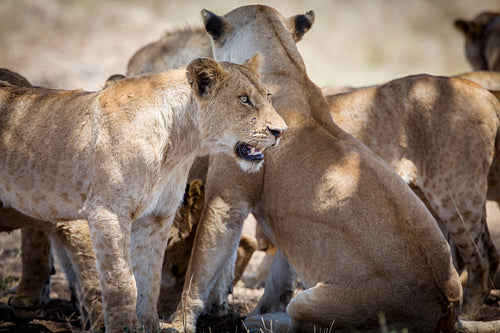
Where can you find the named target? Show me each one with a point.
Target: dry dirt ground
(61, 315)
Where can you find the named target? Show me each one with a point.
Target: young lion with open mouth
(120, 157)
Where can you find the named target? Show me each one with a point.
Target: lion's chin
(250, 166)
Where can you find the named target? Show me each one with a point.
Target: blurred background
(78, 44)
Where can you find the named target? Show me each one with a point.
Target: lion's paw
(176, 326)
(22, 301)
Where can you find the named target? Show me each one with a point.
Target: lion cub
(120, 157)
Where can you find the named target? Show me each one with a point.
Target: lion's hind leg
(34, 287)
(329, 307)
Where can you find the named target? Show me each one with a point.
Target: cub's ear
(203, 74)
(298, 25)
(466, 27)
(254, 63)
(216, 26)
(195, 195)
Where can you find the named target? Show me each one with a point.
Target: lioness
(482, 40)
(174, 50)
(487, 79)
(482, 263)
(345, 220)
(120, 157)
(34, 287)
(73, 246)
(341, 215)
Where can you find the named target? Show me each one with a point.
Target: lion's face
(245, 124)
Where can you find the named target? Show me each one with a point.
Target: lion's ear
(203, 74)
(254, 62)
(298, 25)
(467, 27)
(215, 25)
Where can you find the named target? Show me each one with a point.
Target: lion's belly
(42, 197)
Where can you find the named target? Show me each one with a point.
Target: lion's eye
(269, 97)
(244, 99)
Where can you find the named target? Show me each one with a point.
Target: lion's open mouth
(248, 152)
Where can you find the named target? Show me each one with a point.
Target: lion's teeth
(252, 151)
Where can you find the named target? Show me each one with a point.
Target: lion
(337, 211)
(73, 238)
(34, 287)
(482, 40)
(170, 49)
(489, 80)
(174, 50)
(119, 158)
(179, 246)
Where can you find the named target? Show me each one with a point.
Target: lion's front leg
(72, 243)
(216, 240)
(111, 242)
(149, 240)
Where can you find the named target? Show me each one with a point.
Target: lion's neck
(306, 102)
(183, 128)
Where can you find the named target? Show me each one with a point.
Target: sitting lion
(119, 157)
(170, 49)
(360, 240)
(482, 40)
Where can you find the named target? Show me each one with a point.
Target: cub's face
(237, 115)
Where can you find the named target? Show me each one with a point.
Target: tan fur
(34, 287)
(174, 50)
(339, 213)
(482, 40)
(439, 135)
(72, 241)
(180, 242)
(489, 80)
(372, 129)
(179, 248)
(119, 157)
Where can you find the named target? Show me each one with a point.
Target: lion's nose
(276, 132)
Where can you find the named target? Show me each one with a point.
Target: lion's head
(482, 40)
(225, 41)
(250, 124)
